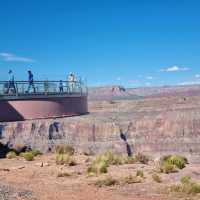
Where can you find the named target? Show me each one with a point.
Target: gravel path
(9, 193)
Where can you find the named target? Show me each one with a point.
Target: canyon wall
(154, 130)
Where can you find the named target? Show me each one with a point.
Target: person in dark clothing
(61, 86)
(30, 82)
(11, 82)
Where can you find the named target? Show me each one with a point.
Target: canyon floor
(38, 179)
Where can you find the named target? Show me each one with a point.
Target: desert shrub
(168, 168)
(108, 181)
(64, 149)
(11, 155)
(130, 160)
(185, 179)
(110, 158)
(97, 167)
(22, 154)
(178, 161)
(144, 159)
(28, 156)
(35, 152)
(156, 178)
(65, 159)
(186, 186)
(100, 164)
(63, 174)
(140, 173)
(130, 179)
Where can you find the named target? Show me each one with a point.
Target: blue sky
(129, 42)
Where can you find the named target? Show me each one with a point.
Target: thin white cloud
(197, 75)
(149, 77)
(12, 57)
(175, 68)
(119, 78)
(190, 83)
(133, 81)
(148, 84)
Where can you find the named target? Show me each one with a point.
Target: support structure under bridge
(48, 99)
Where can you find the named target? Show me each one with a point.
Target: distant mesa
(115, 92)
(118, 92)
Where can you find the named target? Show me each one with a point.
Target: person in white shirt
(71, 81)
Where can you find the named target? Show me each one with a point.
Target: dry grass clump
(64, 155)
(142, 158)
(168, 168)
(130, 179)
(100, 164)
(108, 181)
(64, 149)
(130, 160)
(97, 167)
(63, 174)
(140, 173)
(156, 178)
(65, 159)
(11, 155)
(110, 158)
(186, 186)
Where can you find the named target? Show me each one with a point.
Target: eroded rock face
(158, 126)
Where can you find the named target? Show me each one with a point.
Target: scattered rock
(42, 164)
(4, 169)
(19, 167)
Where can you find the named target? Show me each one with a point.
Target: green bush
(65, 159)
(11, 155)
(36, 152)
(28, 156)
(156, 178)
(64, 149)
(178, 161)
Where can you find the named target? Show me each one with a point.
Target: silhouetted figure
(11, 82)
(30, 82)
(61, 86)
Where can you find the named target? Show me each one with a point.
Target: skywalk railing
(38, 88)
